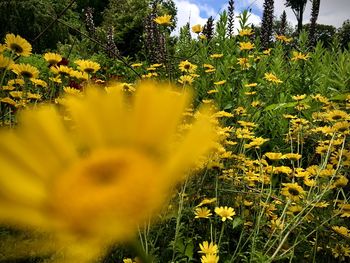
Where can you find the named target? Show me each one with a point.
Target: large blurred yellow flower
(90, 173)
(18, 45)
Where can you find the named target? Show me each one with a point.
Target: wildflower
(244, 63)
(293, 191)
(267, 52)
(272, 78)
(292, 156)
(341, 230)
(336, 115)
(208, 248)
(202, 212)
(186, 80)
(71, 91)
(25, 70)
(246, 46)
(18, 45)
(342, 127)
(246, 32)
(156, 65)
(163, 20)
(136, 65)
(197, 29)
(9, 101)
(188, 67)
(128, 260)
(221, 82)
(210, 258)
(79, 75)
(299, 56)
(283, 38)
(250, 85)
(256, 142)
(341, 181)
(299, 97)
(62, 70)
(87, 66)
(52, 58)
(217, 55)
(39, 82)
(5, 62)
(81, 195)
(212, 91)
(207, 201)
(274, 156)
(341, 251)
(225, 212)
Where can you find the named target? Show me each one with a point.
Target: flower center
(26, 74)
(16, 48)
(120, 186)
(293, 191)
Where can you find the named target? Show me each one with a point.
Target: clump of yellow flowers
(91, 171)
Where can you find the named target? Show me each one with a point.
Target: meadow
(222, 151)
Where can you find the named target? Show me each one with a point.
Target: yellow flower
(256, 143)
(128, 260)
(188, 67)
(207, 201)
(52, 58)
(274, 156)
(80, 75)
(186, 80)
(272, 78)
(225, 212)
(210, 258)
(246, 32)
(9, 101)
(299, 97)
(244, 63)
(251, 85)
(212, 91)
(25, 70)
(163, 20)
(208, 248)
(299, 56)
(341, 230)
(202, 212)
(216, 55)
(71, 91)
(341, 251)
(5, 62)
(336, 115)
(101, 177)
(62, 70)
(87, 66)
(18, 45)
(136, 65)
(283, 38)
(39, 82)
(246, 46)
(293, 191)
(221, 82)
(292, 156)
(197, 28)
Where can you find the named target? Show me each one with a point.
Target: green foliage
(29, 18)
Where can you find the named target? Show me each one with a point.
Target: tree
(231, 18)
(298, 7)
(344, 34)
(208, 29)
(30, 17)
(314, 15)
(267, 23)
(283, 24)
(323, 33)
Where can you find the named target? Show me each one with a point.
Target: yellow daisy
(87, 66)
(52, 58)
(202, 212)
(104, 177)
(197, 29)
(293, 191)
(5, 62)
(186, 80)
(163, 20)
(25, 70)
(18, 45)
(225, 212)
(272, 78)
(208, 248)
(188, 67)
(210, 258)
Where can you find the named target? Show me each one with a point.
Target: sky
(332, 12)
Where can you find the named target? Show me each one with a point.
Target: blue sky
(332, 12)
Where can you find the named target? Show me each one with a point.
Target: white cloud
(187, 12)
(190, 12)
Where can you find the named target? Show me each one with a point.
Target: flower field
(222, 151)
